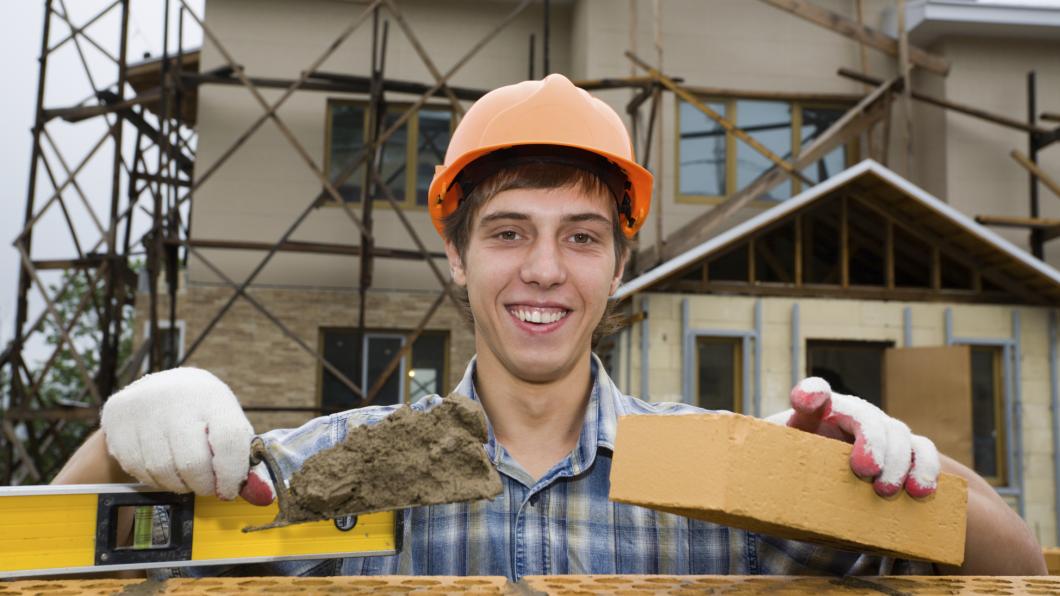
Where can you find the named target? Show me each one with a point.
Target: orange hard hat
(546, 121)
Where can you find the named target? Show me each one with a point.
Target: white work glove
(183, 430)
(885, 450)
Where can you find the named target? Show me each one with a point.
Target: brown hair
(458, 224)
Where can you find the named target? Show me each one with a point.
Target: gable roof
(900, 195)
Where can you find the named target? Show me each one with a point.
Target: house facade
(771, 73)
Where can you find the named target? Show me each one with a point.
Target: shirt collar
(598, 428)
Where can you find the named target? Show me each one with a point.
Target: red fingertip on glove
(257, 491)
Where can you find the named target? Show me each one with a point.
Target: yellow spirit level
(48, 530)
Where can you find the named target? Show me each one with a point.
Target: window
(988, 438)
(172, 344)
(363, 360)
(850, 367)
(713, 164)
(407, 158)
(719, 372)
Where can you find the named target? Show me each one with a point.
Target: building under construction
(863, 190)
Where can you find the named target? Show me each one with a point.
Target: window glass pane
(427, 375)
(347, 145)
(381, 350)
(430, 150)
(701, 151)
(850, 367)
(775, 255)
(986, 388)
(820, 245)
(866, 245)
(730, 266)
(393, 157)
(343, 350)
(718, 368)
(912, 260)
(769, 122)
(814, 122)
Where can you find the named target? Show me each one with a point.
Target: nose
(544, 266)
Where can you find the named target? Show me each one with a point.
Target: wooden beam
(306, 247)
(794, 96)
(718, 118)
(999, 277)
(907, 87)
(1050, 116)
(860, 33)
(951, 105)
(700, 228)
(844, 243)
(1010, 221)
(1037, 171)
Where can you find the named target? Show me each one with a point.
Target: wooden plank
(860, 33)
(889, 256)
(1015, 221)
(867, 111)
(1033, 168)
(305, 247)
(951, 105)
(907, 87)
(844, 243)
(794, 96)
(930, 389)
(722, 121)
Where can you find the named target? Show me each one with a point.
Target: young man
(537, 201)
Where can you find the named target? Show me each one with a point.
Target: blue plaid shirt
(563, 522)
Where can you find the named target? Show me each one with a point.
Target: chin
(543, 368)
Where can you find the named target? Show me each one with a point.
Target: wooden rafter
(722, 121)
(1033, 168)
(857, 119)
(860, 33)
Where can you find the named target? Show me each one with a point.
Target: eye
(582, 238)
(507, 235)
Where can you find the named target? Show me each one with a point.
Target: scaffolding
(149, 116)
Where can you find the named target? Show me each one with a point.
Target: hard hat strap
(607, 171)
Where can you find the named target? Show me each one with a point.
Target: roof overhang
(930, 20)
(885, 186)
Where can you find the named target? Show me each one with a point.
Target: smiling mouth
(538, 315)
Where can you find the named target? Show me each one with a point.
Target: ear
(456, 264)
(620, 268)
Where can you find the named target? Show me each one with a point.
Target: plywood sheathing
(744, 472)
(549, 584)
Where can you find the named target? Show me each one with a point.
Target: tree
(63, 384)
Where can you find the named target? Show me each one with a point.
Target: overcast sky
(20, 41)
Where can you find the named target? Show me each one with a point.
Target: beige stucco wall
(266, 368)
(742, 46)
(981, 178)
(262, 188)
(858, 320)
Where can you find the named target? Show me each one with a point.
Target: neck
(537, 423)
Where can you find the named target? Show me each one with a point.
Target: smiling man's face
(539, 268)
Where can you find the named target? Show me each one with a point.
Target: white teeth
(539, 316)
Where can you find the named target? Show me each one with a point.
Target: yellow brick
(748, 473)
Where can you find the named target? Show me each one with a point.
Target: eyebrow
(515, 215)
